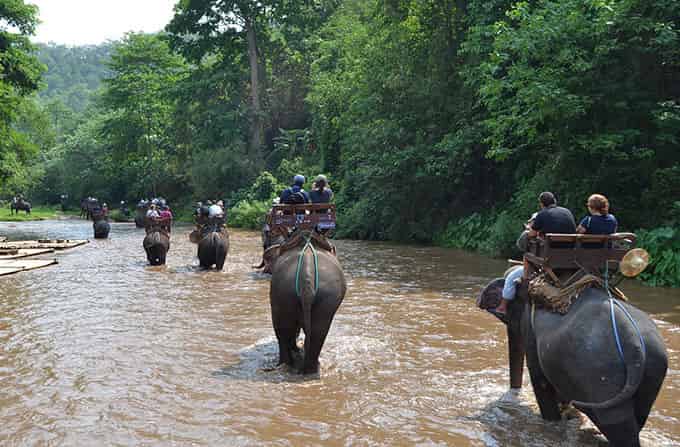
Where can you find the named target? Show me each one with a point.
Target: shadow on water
(502, 418)
(258, 363)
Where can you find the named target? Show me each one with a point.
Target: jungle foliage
(437, 121)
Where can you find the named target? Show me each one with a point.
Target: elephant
(213, 248)
(604, 356)
(307, 288)
(101, 229)
(17, 205)
(87, 206)
(156, 244)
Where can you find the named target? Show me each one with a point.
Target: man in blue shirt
(295, 194)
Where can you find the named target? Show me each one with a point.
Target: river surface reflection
(105, 350)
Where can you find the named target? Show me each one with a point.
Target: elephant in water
(213, 248)
(307, 288)
(606, 357)
(156, 244)
(101, 229)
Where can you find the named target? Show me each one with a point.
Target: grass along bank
(37, 213)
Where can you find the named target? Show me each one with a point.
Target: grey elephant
(156, 244)
(604, 356)
(307, 288)
(101, 229)
(213, 248)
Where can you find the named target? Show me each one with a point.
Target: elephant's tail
(307, 288)
(634, 365)
(220, 251)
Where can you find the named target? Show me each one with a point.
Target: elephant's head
(489, 300)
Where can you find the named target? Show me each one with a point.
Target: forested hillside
(73, 74)
(436, 121)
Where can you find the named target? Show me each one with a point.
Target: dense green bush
(248, 214)
(663, 245)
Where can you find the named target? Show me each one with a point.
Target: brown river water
(103, 350)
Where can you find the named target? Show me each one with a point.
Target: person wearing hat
(295, 194)
(321, 192)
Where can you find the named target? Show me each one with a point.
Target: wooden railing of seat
(588, 252)
(308, 216)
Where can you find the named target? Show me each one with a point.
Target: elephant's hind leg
(287, 339)
(619, 425)
(320, 327)
(655, 373)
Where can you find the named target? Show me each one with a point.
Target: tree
(20, 73)
(139, 104)
(199, 26)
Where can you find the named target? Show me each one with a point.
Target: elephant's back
(152, 239)
(285, 270)
(580, 350)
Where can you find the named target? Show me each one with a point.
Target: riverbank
(37, 213)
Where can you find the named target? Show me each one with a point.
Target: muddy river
(102, 350)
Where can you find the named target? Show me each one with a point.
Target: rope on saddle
(301, 256)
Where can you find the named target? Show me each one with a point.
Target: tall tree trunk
(257, 126)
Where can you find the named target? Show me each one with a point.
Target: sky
(83, 22)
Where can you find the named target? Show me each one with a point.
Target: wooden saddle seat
(153, 224)
(558, 267)
(284, 219)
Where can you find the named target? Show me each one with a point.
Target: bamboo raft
(23, 253)
(10, 266)
(55, 244)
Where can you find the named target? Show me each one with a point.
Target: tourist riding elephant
(156, 244)
(604, 356)
(213, 248)
(307, 288)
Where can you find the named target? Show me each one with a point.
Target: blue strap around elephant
(614, 303)
(299, 267)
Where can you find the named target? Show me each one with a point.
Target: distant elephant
(17, 205)
(213, 249)
(156, 244)
(574, 358)
(101, 229)
(140, 213)
(87, 206)
(299, 302)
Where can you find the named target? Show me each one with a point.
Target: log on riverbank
(10, 266)
(56, 244)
